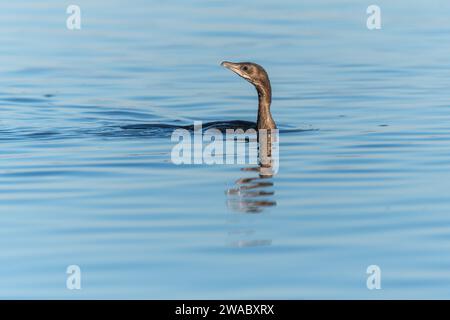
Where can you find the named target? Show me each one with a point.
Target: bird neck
(265, 120)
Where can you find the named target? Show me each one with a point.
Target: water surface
(364, 155)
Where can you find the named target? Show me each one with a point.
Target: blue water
(366, 183)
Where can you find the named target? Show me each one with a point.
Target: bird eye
(244, 68)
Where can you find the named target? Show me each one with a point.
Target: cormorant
(256, 75)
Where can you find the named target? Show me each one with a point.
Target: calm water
(369, 185)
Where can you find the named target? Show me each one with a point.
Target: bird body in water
(256, 75)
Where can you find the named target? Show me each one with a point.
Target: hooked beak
(235, 67)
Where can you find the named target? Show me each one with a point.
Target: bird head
(252, 72)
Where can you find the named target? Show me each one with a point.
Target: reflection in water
(255, 194)
(251, 195)
(251, 243)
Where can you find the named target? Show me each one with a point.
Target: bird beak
(232, 66)
(236, 68)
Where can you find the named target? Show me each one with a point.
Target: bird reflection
(253, 195)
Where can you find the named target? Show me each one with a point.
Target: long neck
(265, 120)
